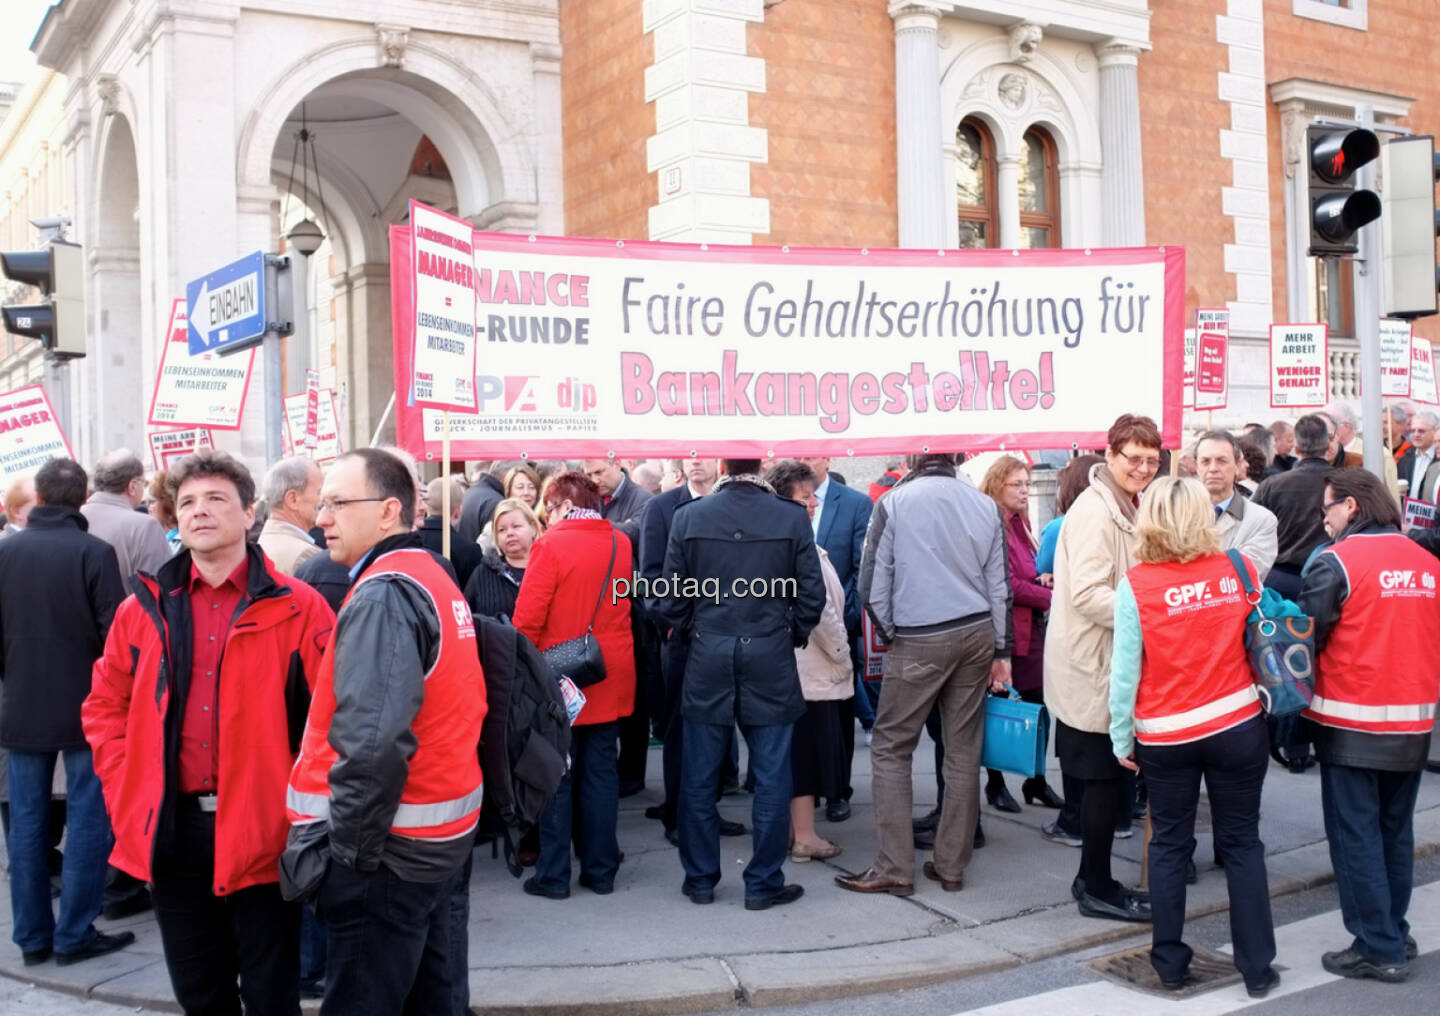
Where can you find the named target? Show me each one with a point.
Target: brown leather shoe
(871, 881)
(950, 885)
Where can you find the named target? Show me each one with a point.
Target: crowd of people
(269, 726)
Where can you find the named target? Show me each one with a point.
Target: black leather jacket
(386, 639)
(1322, 597)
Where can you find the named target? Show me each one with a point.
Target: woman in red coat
(576, 563)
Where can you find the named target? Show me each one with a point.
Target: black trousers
(392, 945)
(635, 728)
(1233, 764)
(212, 942)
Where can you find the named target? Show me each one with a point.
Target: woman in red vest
(1371, 592)
(575, 564)
(1180, 685)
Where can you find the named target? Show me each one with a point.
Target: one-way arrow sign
(226, 309)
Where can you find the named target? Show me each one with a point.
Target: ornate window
(975, 185)
(1039, 192)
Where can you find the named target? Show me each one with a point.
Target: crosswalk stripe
(1299, 946)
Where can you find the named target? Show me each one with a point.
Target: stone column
(548, 146)
(919, 152)
(372, 354)
(1122, 183)
(1007, 195)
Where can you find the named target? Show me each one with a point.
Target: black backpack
(525, 741)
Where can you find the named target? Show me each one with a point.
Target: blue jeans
(87, 847)
(1233, 763)
(1369, 820)
(585, 808)
(705, 745)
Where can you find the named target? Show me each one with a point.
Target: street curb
(733, 981)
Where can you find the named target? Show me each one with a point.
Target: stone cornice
(1325, 93)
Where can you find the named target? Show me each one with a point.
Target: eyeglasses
(1150, 462)
(1018, 484)
(1325, 508)
(334, 504)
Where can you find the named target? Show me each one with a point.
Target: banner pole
(445, 486)
(385, 416)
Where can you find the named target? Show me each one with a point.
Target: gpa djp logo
(1191, 593)
(518, 393)
(463, 620)
(1397, 579)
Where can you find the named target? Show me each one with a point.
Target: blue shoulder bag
(1281, 651)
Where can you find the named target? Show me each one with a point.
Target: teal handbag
(1017, 734)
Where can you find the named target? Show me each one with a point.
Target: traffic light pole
(1367, 319)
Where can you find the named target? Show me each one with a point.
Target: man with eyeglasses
(385, 796)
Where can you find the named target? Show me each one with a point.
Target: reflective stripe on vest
(1194, 717)
(407, 816)
(1324, 708)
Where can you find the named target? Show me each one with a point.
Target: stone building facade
(929, 123)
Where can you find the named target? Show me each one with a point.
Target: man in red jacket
(195, 717)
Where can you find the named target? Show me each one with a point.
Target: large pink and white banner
(594, 347)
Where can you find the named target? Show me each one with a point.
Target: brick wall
(606, 119)
(829, 107)
(1395, 55)
(1181, 117)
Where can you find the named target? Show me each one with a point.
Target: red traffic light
(1334, 155)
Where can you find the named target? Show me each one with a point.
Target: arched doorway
(122, 358)
(432, 131)
(367, 161)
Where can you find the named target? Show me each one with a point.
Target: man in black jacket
(700, 476)
(1294, 499)
(480, 500)
(59, 587)
(745, 585)
(464, 557)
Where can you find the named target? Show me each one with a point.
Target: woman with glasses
(1373, 596)
(576, 564)
(1180, 685)
(1095, 549)
(1007, 482)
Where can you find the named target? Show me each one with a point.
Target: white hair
(286, 475)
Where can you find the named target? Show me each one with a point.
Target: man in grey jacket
(936, 582)
(1243, 525)
(139, 542)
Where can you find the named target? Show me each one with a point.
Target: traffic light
(1337, 208)
(1409, 224)
(59, 270)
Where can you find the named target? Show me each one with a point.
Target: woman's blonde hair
(1176, 522)
(514, 504)
(999, 472)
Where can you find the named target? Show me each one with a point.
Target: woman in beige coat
(817, 759)
(1094, 551)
